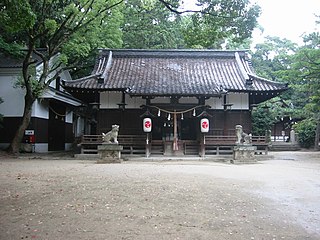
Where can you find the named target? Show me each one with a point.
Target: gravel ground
(54, 198)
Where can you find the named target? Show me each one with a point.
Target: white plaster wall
(134, 102)
(161, 100)
(110, 100)
(79, 126)
(69, 116)
(68, 146)
(41, 147)
(40, 109)
(13, 97)
(240, 101)
(215, 103)
(38, 147)
(191, 100)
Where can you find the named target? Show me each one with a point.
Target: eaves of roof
(64, 97)
(173, 72)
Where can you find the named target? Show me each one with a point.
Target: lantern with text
(147, 125)
(204, 125)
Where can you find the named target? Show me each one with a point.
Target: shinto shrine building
(175, 89)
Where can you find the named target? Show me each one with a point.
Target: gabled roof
(7, 61)
(173, 72)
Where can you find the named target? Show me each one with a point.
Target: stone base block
(109, 153)
(244, 154)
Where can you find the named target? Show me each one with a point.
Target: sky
(283, 18)
(287, 18)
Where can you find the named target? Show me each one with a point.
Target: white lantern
(204, 125)
(147, 125)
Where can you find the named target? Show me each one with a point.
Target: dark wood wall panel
(69, 133)
(39, 125)
(10, 125)
(129, 120)
(221, 122)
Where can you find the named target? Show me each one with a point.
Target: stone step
(284, 147)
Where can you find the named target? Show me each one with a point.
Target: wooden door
(56, 128)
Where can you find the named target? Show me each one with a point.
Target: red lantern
(147, 125)
(204, 125)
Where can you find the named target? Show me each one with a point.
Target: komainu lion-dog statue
(111, 136)
(242, 138)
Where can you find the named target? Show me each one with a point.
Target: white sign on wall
(29, 132)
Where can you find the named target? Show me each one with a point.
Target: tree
(306, 67)
(68, 31)
(52, 25)
(219, 22)
(272, 57)
(150, 25)
(282, 60)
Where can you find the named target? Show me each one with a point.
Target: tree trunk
(316, 142)
(16, 141)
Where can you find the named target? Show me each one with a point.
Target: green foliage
(268, 113)
(150, 25)
(226, 22)
(273, 58)
(284, 61)
(103, 32)
(306, 132)
(36, 86)
(16, 15)
(262, 120)
(73, 28)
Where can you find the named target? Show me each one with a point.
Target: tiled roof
(7, 61)
(173, 72)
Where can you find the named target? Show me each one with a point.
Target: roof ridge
(192, 53)
(240, 65)
(107, 67)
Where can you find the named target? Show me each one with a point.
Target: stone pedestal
(109, 153)
(244, 154)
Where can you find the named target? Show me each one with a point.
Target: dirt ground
(59, 198)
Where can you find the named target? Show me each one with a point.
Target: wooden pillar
(225, 107)
(202, 151)
(148, 145)
(175, 132)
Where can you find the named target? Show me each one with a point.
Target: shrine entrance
(186, 130)
(175, 128)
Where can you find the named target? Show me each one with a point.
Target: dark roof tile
(173, 72)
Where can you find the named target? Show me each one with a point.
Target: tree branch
(170, 7)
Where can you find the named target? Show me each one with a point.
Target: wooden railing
(224, 144)
(131, 143)
(136, 144)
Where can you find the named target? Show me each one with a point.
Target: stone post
(293, 137)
